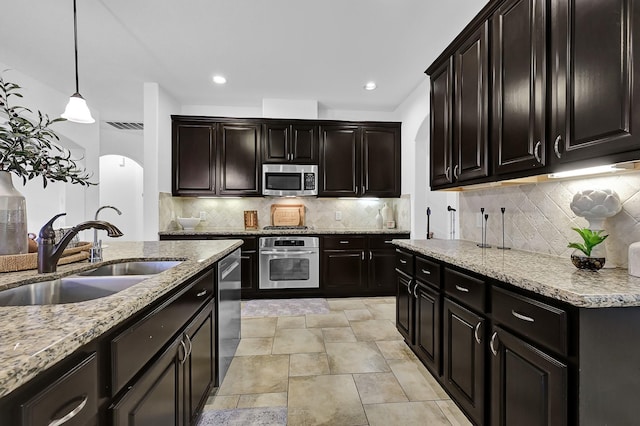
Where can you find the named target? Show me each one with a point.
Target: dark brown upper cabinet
(290, 143)
(239, 158)
(360, 160)
(519, 70)
(459, 113)
(595, 90)
(193, 158)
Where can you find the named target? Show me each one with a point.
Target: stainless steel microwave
(286, 180)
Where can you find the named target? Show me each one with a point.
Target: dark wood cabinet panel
(528, 387)
(380, 161)
(343, 271)
(304, 143)
(441, 155)
(427, 327)
(464, 358)
(404, 306)
(382, 273)
(239, 158)
(194, 158)
(249, 265)
(519, 92)
(291, 143)
(595, 96)
(339, 161)
(471, 127)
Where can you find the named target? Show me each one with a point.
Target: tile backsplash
(538, 217)
(227, 213)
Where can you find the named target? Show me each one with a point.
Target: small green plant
(591, 239)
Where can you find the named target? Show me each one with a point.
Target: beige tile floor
(348, 367)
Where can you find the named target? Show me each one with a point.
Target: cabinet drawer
(136, 345)
(344, 242)
(542, 323)
(465, 288)
(384, 242)
(404, 262)
(428, 271)
(74, 396)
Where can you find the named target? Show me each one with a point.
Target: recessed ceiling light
(371, 85)
(218, 79)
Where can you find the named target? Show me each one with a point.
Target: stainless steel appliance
(228, 311)
(283, 180)
(289, 262)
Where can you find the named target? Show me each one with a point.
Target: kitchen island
(37, 338)
(521, 338)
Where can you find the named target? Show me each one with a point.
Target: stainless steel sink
(67, 290)
(131, 268)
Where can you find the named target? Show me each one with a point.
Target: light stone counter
(260, 232)
(551, 276)
(34, 338)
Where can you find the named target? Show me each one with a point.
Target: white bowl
(188, 223)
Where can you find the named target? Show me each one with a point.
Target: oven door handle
(285, 252)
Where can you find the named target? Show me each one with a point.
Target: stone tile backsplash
(538, 217)
(228, 213)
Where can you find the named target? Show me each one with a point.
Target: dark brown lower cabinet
(404, 306)
(528, 386)
(343, 271)
(382, 272)
(464, 359)
(175, 386)
(427, 326)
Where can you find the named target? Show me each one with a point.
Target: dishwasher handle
(224, 274)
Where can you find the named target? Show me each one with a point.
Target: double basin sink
(88, 285)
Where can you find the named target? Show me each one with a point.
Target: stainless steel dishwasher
(228, 311)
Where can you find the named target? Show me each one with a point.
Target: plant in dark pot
(28, 149)
(588, 255)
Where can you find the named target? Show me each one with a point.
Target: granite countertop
(310, 231)
(34, 338)
(551, 276)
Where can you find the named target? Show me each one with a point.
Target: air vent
(126, 126)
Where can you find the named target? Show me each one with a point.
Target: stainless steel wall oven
(289, 262)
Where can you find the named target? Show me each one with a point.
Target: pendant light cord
(75, 39)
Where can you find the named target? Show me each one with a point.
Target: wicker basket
(22, 262)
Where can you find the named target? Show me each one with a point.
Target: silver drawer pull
(409, 287)
(476, 332)
(71, 414)
(404, 262)
(492, 343)
(186, 352)
(202, 293)
(462, 289)
(387, 241)
(344, 242)
(424, 271)
(521, 317)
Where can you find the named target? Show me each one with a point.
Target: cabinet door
(519, 92)
(595, 89)
(304, 143)
(464, 358)
(249, 265)
(343, 272)
(382, 273)
(380, 162)
(276, 143)
(427, 323)
(471, 121)
(193, 159)
(404, 306)
(528, 387)
(156, 397)
(239, 156)
(339, 161)
(200, 365)
(441, 133)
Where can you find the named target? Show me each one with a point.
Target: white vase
(387, 213)
(378, 220)
(13, 218)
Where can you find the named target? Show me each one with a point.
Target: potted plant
(28, 149)
(586, 255)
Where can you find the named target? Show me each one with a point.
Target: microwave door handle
(286, 252)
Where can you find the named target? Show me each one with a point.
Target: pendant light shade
(77, 109)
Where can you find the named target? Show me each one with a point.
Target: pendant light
(77, 109)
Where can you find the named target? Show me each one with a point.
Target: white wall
(129, 143)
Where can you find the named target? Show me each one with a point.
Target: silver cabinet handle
(556, 146)
(362, 255)
(492, 343)
(446, 171)
(363, 189)
(476, 332)
(387, 241)
(536, 151)
(521, 317)
(202, 293)
(462, 289)
(370, 255)
(415, 290)
(404, 262)
(455, 172)
(184, 348)
(409, 287)
(344, 241)
(424, 271)
(190, 345)
(71, 414)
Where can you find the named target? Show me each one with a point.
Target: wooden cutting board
(287, 214)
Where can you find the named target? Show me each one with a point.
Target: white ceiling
(321, 50)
